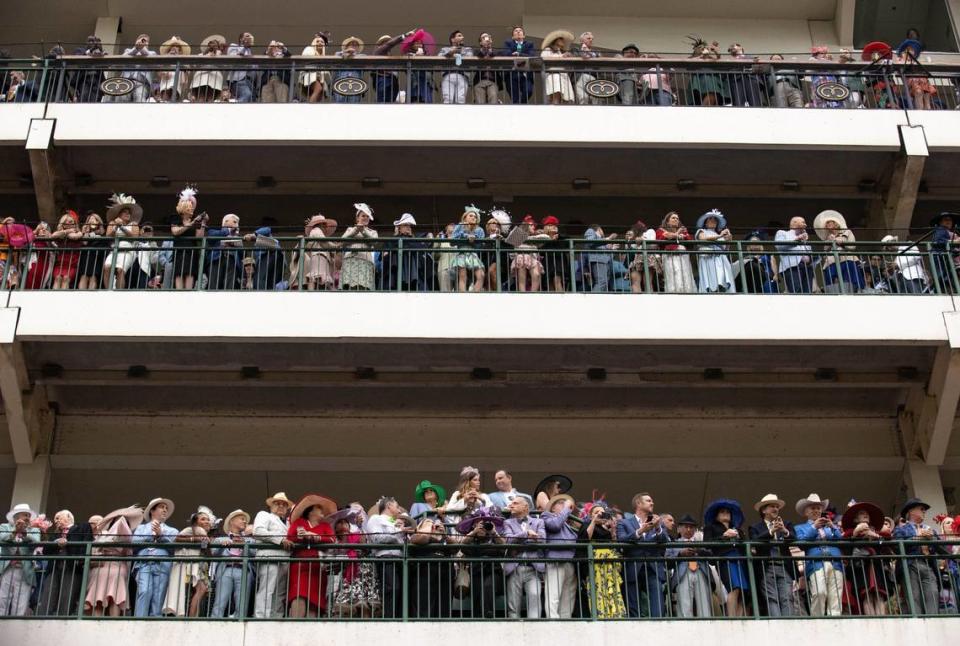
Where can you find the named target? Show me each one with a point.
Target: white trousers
(560, 581)
(14, 593)
(826, 590)
(453, 88)
(271, 597)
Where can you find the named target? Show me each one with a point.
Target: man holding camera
(524, 577)
(775, 535)
(824, 577)
(387, 529)
(644, 579)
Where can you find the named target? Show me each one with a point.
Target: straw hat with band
(351, 39)
(561, 496)
(133, 514)
(383, 39)
(876, 515)
(205, 43)
(427, 485)
(770, 499)
(153, 503)
(280, 496)
(556, 34)
(176, 40)
(327, 505)
(233, 514)
(820, 222)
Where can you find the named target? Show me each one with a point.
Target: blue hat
(712, 213)
(736, 513)
(910, 43)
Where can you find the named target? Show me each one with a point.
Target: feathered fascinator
(598, 500)
(188, 194)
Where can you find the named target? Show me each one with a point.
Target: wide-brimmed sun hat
(876, 515)
(485, 514)
(424, 486)
(549, 39)
(736, 511)
(327, 505)
(712, 213)
(233, 514)
(205, 43)
(22, 508)
(153, 503)
(176, 40)
(280, 496)
(119, 202)
(820, 222)
(566, 484)
(351, 39)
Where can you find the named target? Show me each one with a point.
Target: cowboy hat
(209, 39)
(327, 505)
(119, 202)
(876, 515)
(351, 39)
(176, 40)
(363, 207)
(22, 508)
(912, 503)
(485, 514)
(554, 35)
(687, 519)
(424, 486)
(133, 514)
(406, 218)
(561, 496)
(233, 514)
(820, 222)
(712, 213)
(736, 512)
(280, 496)
(876, 48)
(812, 499)
(153, 503)
(770, 499)
(566, 484)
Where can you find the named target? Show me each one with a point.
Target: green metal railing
(428, 264)
(450, 581)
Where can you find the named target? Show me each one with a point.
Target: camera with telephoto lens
(487, 526)
(605, 515)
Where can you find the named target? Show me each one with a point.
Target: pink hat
(550, 220)
(528, 219)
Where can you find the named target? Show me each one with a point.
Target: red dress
(307, 581)
(67, 261)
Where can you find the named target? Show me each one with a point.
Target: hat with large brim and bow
(556, 34)
(485, 514)
(712, 213)
(424, 486)
(22, 508)
(363, 207)
(327, 505)
(812, 499)
(736, 511)
(876, 515)
(770, 499)
(176, 40)
(820, 222)
(355, 515)
(911, 504)
(153, 503)
(878, 49)
(205, 43)
(119, 202)
(133, 514)
(566, 484)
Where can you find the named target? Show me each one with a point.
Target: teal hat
(437, 489)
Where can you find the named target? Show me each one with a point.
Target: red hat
(880, 48)
(528, 219)
(550, 220)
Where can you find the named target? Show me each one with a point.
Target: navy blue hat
(736, 512)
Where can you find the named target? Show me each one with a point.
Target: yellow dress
(609, 580)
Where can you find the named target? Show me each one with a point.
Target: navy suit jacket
(510, 46)
(653, 543)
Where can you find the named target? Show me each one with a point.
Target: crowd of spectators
(643, 79)
(483, 251)
(471, 549)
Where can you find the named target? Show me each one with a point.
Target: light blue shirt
(144, 534)
(789, 240)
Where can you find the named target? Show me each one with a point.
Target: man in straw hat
(923, 573)
(271, 527)
(153, 571)
(229, 572)
(17, 577)
(351, 47)
(774, 533)
(691, 581)
(824, 575)
(560, 576)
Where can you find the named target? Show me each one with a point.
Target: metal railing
(446, 580)
(376, 79)
(429, 264)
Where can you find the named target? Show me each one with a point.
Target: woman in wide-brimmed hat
(922, 91)
(319, 257)
(557, 85)
(307, 592)
(428, 498)
(831, 226)
(358, 271)
(722, 521)
(207, 84)
(108, 580)
(176, 46)
(357, 593)
(866, 577)
(123, 223)
(716, 274)
(549, 488)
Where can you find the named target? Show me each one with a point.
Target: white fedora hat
(22, 508)
(770, 499)
(406, 218)
(154, 503)
(812, 499)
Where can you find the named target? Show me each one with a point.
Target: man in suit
(519, 84)
(922, 572)
(691, 580)
(524, 578)
(644, 579)
(776, 576)
(825, 574)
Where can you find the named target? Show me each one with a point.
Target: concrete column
(32, 484)
(923, 482)
(43, 167)
(108, 31)
(893, 212)
(843, 22)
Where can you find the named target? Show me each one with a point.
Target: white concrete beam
(894, 211)
(32, 484)
(923, 482)
(843, 22)
(108, 31)
(43, 167)
(29, 419)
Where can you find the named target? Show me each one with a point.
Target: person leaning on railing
(17, 542)
(270, 526)
(385, 529)
(275, 82)
(228, 574)
(242, 81)
(454, 84)
(61, 581)
(189, 578)
(478, 579)
(722, 522)
(315, 83)
(143, 79)
(773, 536)
(691, 581)
(919, 575)
(644, 579)
(786, 86)
(866, 578)
(796, 267)
(824, 575)
(519, 84)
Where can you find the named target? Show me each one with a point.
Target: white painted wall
(358, 125)
(15, 122)
(823, 632)
(754, 319)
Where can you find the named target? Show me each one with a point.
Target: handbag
(461, 582)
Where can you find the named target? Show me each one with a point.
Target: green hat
(426, 484)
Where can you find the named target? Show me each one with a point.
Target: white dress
(212, 79)
(558, 82)
(309, 78)
(714, 266)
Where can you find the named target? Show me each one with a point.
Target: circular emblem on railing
(118, 86)
(602, 88)
(832, 91)
(350, 86)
